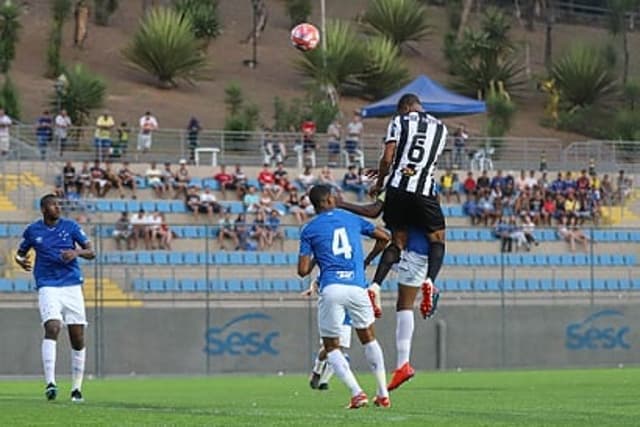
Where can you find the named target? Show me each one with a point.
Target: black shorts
(403, 209)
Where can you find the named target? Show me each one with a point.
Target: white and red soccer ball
(305, 37)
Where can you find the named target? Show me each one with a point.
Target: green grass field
(595, 397)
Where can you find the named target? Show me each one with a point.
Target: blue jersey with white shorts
(49, 242)
(417, 242)
(333, 239)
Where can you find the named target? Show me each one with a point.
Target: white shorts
(336, 300)
(144, 141)
(345, 336)
(412, 269)
(64, 303)
(4, 143)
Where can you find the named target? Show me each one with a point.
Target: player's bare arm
(371, 210)
(383, 167)
(85, 252)
(382, 237)
(305, 265)
(23, 260)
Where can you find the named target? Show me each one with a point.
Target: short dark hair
(318, 194)
(406, 101)
(46, 199)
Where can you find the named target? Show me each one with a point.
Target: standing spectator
(354, 133)
(68, 176)
(460, 137)
(308, 128)
(273, 150)
(182, 179)
(102, 142)
(334, 135)
(251, 200)
(306, 179)
(121, 146)
(351, 182)
(62, 125)
(225, 180)
(44, 131)
(5, 136)
(227, 231)
(447, 184)
(154, 179)
(122, 232)
(99, 183)
(606, 190)
(128, 178)
(469, 184)
(193, 131)
(148, 124)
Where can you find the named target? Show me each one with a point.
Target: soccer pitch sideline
(602, 397)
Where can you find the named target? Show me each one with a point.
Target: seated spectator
(351, 182)
(154, 227)
(122, 232)
(583, 183)
(571, 205)
(470, 208)
(112, 177)
(182, 179)
(293, 205)
(326, 177)
(192, 200)
(240, 182)
(165, 234)
(128, 178)
(168, 178)
(266, 202)
(251, 200)
(259, 230)
(243, 232)
(498, 180)
(447, 183)
(306, 180)
(569, 183)
(267, 180)
(227, 231)
(225, 180)
(140, 228)
(528, 227)
(543, 182)
(531, 182)
(305, 203)
(535, 207)
(99, 183)
(281, 181)
(572, 235)
(469, 184)
(83, 181)
(483, 181)
(606, 190)
(154, 179)
(274, 231)
(209, 204)
(521, 182)
(68, 176)
(548, 210)
(502, 231)
(485, 207)
(517, 234)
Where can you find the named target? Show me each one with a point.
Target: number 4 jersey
(333, 239)
(419, 139)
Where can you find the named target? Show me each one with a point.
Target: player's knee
(52, 329)
(391, 254)
(437, 236)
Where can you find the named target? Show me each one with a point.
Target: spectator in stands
(243, 232)
(308, 128)
(543, 182)
(5, 136)
(557, 185)
(517, 234)
(102, 137)
(583, 183)
(225, 181)
(139, 226)
(485, 206)
(259, 231)
(44, 132)
(227, 231)
(281, 181)
(251, 200)
(365, 178)
(334, 136)
(523, 204)
(128, 178)
(528, 227)
(209, 204)
(182, 179)
(571, 205)
(62, 124)
(535, 207)
(594, 182)
(193, 131)
(274, 151)
(122, 232)
(267, 180)
(355, 129)
(351, 182)
(306, 180)
(305, 203)
(606, 190)
(274, 231)
(154, 228)
(497, 180)
(68, 176)
(623, 188)
(111, 176)
(154, 179)
(266, 202)
(572, 235)
(460, 137)
(121, 146)
(483, 181)
(165, 234)
(148, 124)
(470, 207)
(99, 183)
(294, 207)
(240, 182)
(569, 183)
(168, 178)
(548, 210)
(447, 184)
(469, 184)
(521, 182)
(83, 181)
(325, 177)
(502, 231)
(192, 200)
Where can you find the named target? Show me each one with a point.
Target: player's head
(322, 198)
(50, 207)
(409, 102)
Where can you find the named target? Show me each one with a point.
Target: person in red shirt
(267, 181)
(308, 129)
(469, 184)
(583, 183)
(225, 180)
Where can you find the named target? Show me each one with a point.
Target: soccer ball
(305, 37)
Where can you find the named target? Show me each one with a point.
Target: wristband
(20, 258)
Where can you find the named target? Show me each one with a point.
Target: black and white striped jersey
(419, 139)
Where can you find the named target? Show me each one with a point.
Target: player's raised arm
(24, 247)
(381, 242)
(371, 210)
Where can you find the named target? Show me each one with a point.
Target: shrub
(103, 10)
(60, 11)
(299, 11)
(165, 47)
(241, 117)
(500, 110)
(85, 91)
(9, 28)
(204, 17)
(398, 20)
(9, 98)
(315, 106)
(631, 93)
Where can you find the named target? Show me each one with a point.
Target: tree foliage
(9, 98)
(398, 20)
(103, 11)
(60, 11)
(9, 29)
(203, 15)
(299, 11)
(165, 47)
(84, 91)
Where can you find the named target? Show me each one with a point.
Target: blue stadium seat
(177, 206)
(250, 285)
(253, 182)
(540, 260)
(250, 258)
(292, 232)
(190, 232)
(112, 258)
(634, 236)
(196, 181)
(456, 210)
(187, 285)
(141, 183)
(155, 285)
(144, 258)
(265, 258)
(118, 206)
(545, 285)
(292, 258)
(622, 236)
(148, 205)
(630, 260)
(456, 234)
(133, 206)
(176, 258)
(160, 257)
(567, 260)
(296, 285)
(235, 258)
(234, 285)
(520, 285)
(220, 258)
(527, 260)
(102, 205)
(465, 285)
(581, 259)
(280, 258)
(572, 284)
(279, 285)
(4, 230)
(265, 285)
(493, 285)
(280, 207)
(476, 260)
(217, 285)
(485, 235)
(139, 285)
(172, 285)
(192, 258)
(461, 259)
(449, 259)
(128, 258)
(163, 206)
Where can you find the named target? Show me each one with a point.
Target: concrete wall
(180, 341)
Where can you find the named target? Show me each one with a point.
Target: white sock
(373, 354)
(318, 365)
(341, 368)
(404, 335)
(77, 368)
(326, 374)
(49, 360)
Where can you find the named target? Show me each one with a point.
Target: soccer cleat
(323, 386)
(376, 301)
(358, 401)
(401, 375)
(382, 402)
(51, 391)
(314, 379)
(430, 297)
(76, 396)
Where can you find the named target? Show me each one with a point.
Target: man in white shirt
(354, 131)
(148, 124)
(5, 125)
(154, 179)
(62, 124)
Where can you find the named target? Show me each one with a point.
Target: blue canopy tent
(436, 100)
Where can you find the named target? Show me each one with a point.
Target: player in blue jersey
(332, 241)
(412, 271)
(58, 242)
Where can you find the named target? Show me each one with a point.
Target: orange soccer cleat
(382, 402)
(430, 297)
(376, 301)
(401, 375)
(358, 401)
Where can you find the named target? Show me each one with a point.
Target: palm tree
(165, 47)
(9, 27)
(384, 70)
(398, 20)
(618, 26)
(84, 91)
